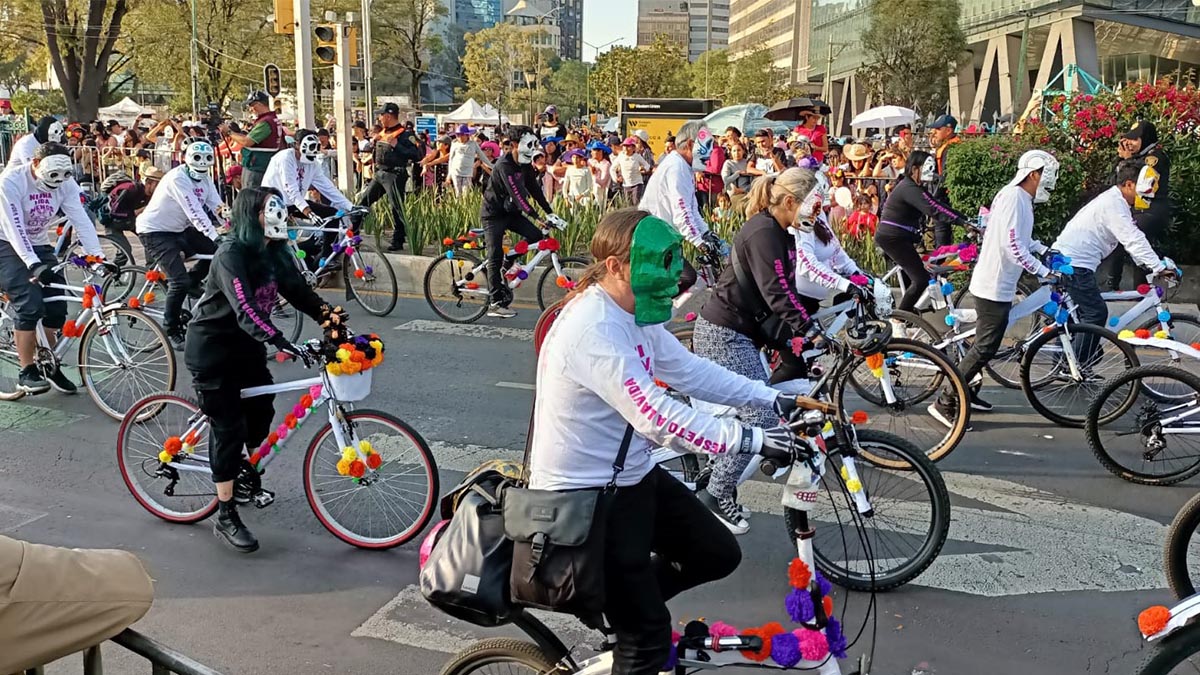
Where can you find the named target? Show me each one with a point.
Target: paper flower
(798, 573)
(357, 468)
(721, 629)
(813, 645)
(173, 445)
(1142, 333)
(165, 457)
(854, 485)
(343, 467)
(374, 461)
(1153, 619)
(835, 637)
(1161, 334)
(1125, 334)
(827, 605)
(290, 421)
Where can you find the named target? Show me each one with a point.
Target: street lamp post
(587, 87)
(530, 77)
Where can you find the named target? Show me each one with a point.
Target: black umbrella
(791, 108)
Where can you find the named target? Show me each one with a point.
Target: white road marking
(12, 517)
(516, 385)
(467, 330)
(1016, 453)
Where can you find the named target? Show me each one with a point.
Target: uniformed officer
(395, 149)
(1141, 142)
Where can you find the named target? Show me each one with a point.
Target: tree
(657, 71)
(497, 58)
(754, 79)
(709, 75)
(404, 27)
(568, 88)
(913, 45)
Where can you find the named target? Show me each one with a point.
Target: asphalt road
(1049, 562)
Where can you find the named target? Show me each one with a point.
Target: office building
(782, 26)
(662, 17)
(562, 18)
(476, 15)
(708, 26)
(570, 23)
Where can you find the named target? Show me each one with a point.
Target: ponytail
(768, 191)
(760, 197)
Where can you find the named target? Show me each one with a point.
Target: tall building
(564, 18)
(476, 15)
(663, 17)
(781, 26)
(708, 26)
(570, 23)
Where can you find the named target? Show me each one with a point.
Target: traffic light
(327, 43)
(285, 20)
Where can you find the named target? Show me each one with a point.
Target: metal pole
(366, 51)
(1022, 75)
(195, 69)
(305, 116)
(341, 109)
(827, 90)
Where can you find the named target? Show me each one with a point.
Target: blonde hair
(613, 238)
(769, 191)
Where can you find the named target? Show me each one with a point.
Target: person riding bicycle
(1007, 251)
(226, 345)
(178, 223)
(123, 198)
(596, 385)
(293, 172)
(671, 194)
(755, 304)
(900, 225)
(48, 130)
(508, 204)
(30, 196)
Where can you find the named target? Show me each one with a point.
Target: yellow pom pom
(1161, 334)
(343, 355)
(845, 474)
(827, 428)
(376, 344)
(164, 457)
(854, 485)
(351, 367)
(365, 446)
(343, 467)
(188, 448)
(1125, 334)
(333, 369)
(349, 455)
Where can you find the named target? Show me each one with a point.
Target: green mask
(655, 263)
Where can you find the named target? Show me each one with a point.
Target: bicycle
(1171, 630)
(67, 246)
(367, 273)
(456, 286)
(119, 347)
(370, 478)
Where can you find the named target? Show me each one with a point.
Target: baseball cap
(551, 110)
(1033, 160)
(258, 97)
(388, 108)
(629, 141)
(464, 130)
(1144, 131)
(944, 121)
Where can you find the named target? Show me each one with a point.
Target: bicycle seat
(945, 269)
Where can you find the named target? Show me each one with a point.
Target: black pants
(494, 235)
(901, 247)
(168, 250)
(116, 230)
(27, 296)
(1091, 308)
(320, 245)
(389, 183)
(990, 327)
(657, 515)
(235, 422)
(792, 367)
(1155, 226)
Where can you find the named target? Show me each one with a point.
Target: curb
(410, 275)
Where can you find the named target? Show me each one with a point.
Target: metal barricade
(163, 659)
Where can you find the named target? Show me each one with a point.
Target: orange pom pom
(69, 329)
(134, 303)
(799, 575)
(447, 242)
(358, 357)
(359, 274)
(290, 421)
(374, 460)
(1142, 333)
(827, 603)
(357, 468)
(306, 400)
(254, 459)
(272, 438)
(148, 297)
(192, 438)
(875, 361)
(89, 291)
(1153, 619)
(87, 302)
(173, 445)
(766, 633)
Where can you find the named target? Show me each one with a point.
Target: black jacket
(399, 156)
(512, 191)
(767, 254)
(909, 203)
(1155, 219)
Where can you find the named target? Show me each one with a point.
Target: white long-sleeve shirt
(577, 182)
(293, 178)
(1096, 230)
(1008, 247)
(821, 267)
(463, 157)
(29, 209)
(178, 203)
(671, 195)
(22, 150)
(627, 169)
(596, 375)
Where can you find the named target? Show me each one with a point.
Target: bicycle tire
(500, 651)
(1008, 357)
(378, 263)
(10, 366)
(1175, 549)
(1101, 413)
(157, 401)
(1078, 420)
(121, 287)
(548, 295)
(920, 330)
(329, 521)
(937, 441)
(90, 370)
(938, 530)
(684, 335)
(1172, 651)
(457, 268)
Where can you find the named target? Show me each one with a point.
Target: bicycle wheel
(390, 504)
(123, 359)
(10, 367)
(905, 531)
(1047, 380)
(131, 279)
(369, 277)
(1181, 552)
(917, 373)
(548, 290)
(500, 656)
(684, 335)
(1143, 425)
(454, 290)
(1178, 654)
(1184, 328)
(914, 327)
(181, 491)
(1005, 367)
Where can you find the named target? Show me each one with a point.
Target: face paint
(655, 263)
(1147, 186)
(527, 147)
(701, 149)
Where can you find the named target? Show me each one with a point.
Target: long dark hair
(916, 160)
(246, 231)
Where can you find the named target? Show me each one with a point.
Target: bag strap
(749, 290)
(619, 463)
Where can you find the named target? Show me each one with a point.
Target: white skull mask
(199, 158)
(310, 150)
(1049, 180)
(55, 133)
(53, 171)
(928, 169)
(275, 218)
(810, 206)
(527, 147)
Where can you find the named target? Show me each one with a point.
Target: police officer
(1141, 142)
(395, 149)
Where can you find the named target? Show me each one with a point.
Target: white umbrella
(883, 117)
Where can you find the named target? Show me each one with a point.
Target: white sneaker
(501, 312)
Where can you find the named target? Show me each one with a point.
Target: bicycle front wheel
(500, 656)
(390, 504)
(1005, 366)
(1143, 425)
(180, 491)
(1060, 382)
(369, 277)
(123, 358)
(1178, 654)
(901, 536)
(454, 289)
(550, 289)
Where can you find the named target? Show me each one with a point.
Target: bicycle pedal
(263, 498)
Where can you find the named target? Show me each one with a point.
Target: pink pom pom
(282, 431)
(797, 346)
(349, 250)
(690, 316)
(813, 645)
(298, 410)
(315, 391)
(675, 635)
(859, 279)
(721, 629)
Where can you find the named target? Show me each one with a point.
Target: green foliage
(38, 104)
(569, 87)
(709, 75)
(403, 35)
(657, 71)
(913, 44)
(491, 58)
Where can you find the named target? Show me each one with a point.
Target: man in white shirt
(178, 223)
(464, 153)
(293, 172)
(1007, 251)
(30, 197)
(627, 168)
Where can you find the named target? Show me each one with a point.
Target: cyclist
(671, 193)
(225, 346)
(293, 172)
(508, 202)
(177, 223)
(124, 198)
(48, 130)
(30, 196)
(1007, 251)
(899, 229)
(596, 380)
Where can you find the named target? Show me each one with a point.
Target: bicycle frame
(148, 287)
(551, 250)
(1181, 613)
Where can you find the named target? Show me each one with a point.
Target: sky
(605, 20)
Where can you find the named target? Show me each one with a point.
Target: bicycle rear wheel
(1143, 425)
(907, 527)
(181, 491)
(369, 277)
(390, 504)
(1005, 366)
(1181, 552)
(124, 358)
(454, 290)
(1177, 654)
(500, 656)
(131, 279)
(548, 289)
(1054, 391)
(10, 367)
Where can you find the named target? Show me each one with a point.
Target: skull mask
(310, 149)
(701, 149)
(928, 169)
(199, 158)
(1147, 186)
(53, 171)
(527, 147)
(55, 133)
(274, 218)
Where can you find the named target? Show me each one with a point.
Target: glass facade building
(476, 15)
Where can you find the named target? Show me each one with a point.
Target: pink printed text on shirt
(659, 420)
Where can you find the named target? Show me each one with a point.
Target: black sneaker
(727, 511)
(230, 528)
(178, 339)
(59, 380)
(395, 248)
(31, 381)
(944, 410)
(978, 403)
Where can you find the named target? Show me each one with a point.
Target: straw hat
(856, 152)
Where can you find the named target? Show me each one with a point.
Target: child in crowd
(863, 221)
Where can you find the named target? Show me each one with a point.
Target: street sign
(271, 79)
(426, 123)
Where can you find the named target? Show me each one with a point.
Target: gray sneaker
(500, 311)
(31, 381)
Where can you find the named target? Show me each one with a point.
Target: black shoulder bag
(771, 327)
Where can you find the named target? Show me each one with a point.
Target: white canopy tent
(471, 113)
(125, 111)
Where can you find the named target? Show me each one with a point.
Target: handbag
(558, 545)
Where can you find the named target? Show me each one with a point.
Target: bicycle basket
(351, 388)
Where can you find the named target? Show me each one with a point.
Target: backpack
(111, 191)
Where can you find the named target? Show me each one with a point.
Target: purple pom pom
(837, 640)
(672, 659)
(356, 240)
(823, 585)
(799, 605)
(369, 270)
(785, 650)
(338, 248)
(809, 162)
